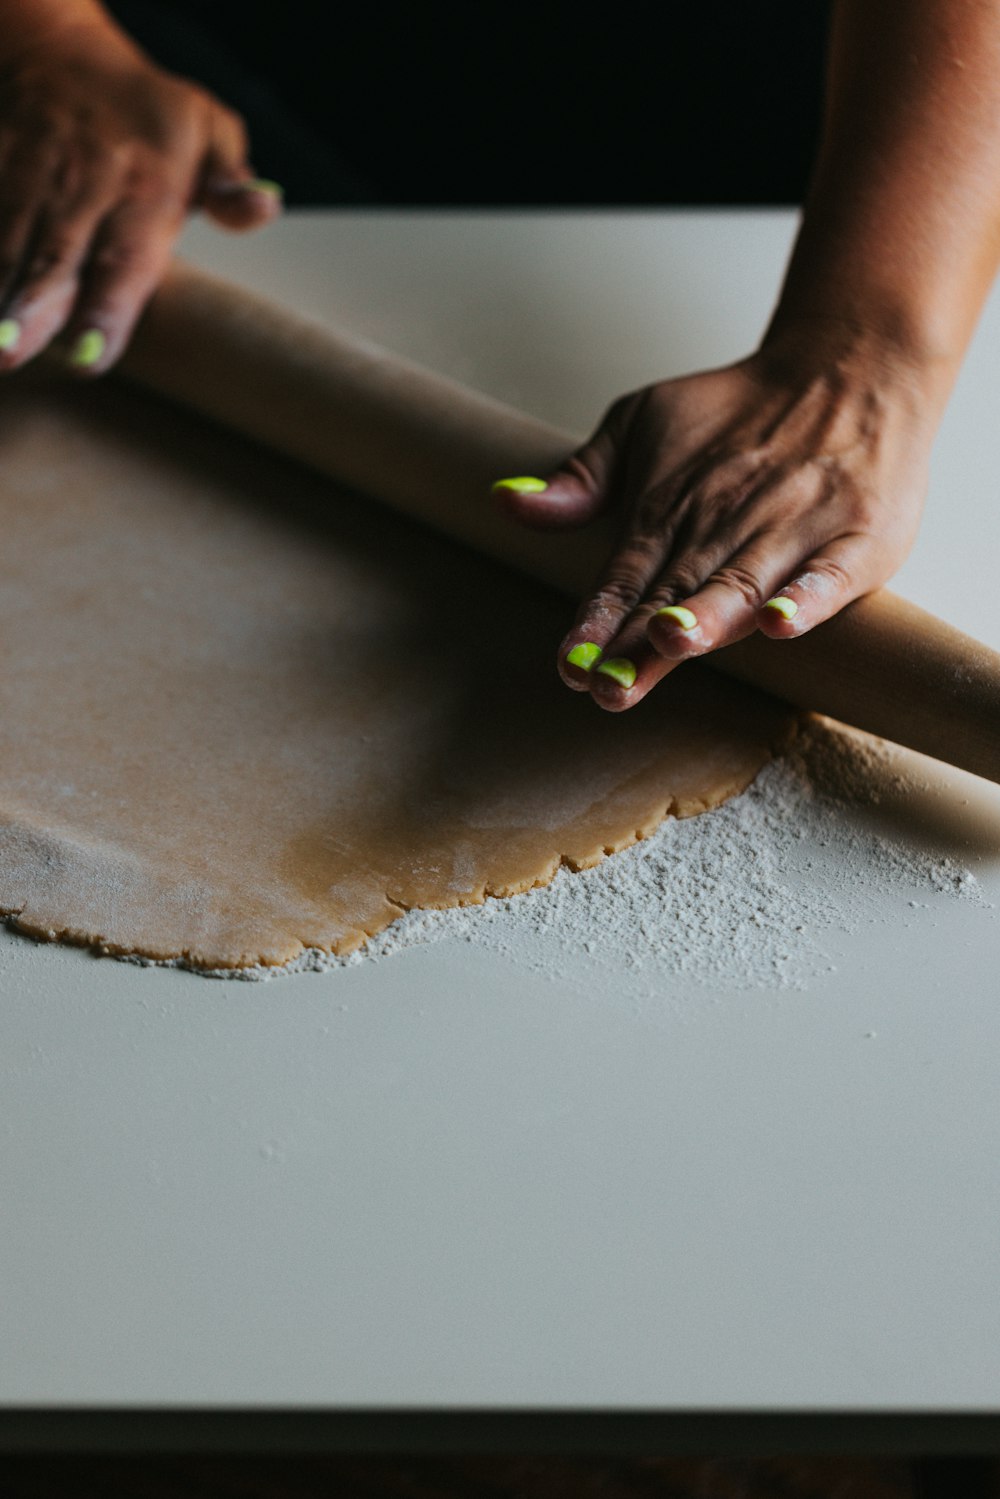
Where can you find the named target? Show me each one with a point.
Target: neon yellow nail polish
(620, 669)
(787, 608)
(264, 185)
(10, 334)
(584, 655)
(524, 485)
(680, 616)
(88, 349)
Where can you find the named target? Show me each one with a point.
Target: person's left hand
(764, 495)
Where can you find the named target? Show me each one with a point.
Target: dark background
(492, 104)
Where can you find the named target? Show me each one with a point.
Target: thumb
(572, 494)
(229, 192)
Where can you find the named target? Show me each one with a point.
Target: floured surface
(751, 896)
(241, 714)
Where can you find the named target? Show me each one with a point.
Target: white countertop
(442, 1180)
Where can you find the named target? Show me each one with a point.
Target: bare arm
(900, 237)
(102, 155)
(770, 493)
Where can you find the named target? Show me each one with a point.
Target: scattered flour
(740, 897)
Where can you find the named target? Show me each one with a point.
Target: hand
(800, 471)
(102, 155)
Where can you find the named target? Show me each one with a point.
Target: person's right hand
(102, 155)
(762, 495)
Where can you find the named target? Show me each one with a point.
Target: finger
(628, 668)
(244, 205)
(586, 484)
(228, 189)
(595, 633)
(45, 286)
(16, 223)
(19, 211)
(655, 529)
(47, 215)
(130, 256)
(840, 572)
(676, 516)
(725, 607)
(631, 664)
(578, 490)
(722, 575)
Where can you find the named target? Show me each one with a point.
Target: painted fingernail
(787, 608)
(584, 655)
(523, 485)
(10, 334)
(620, 669)
(88, 349)
(263, 185)
(679, 615)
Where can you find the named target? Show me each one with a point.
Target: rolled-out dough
(243, 712)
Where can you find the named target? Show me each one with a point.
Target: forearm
(900, 236)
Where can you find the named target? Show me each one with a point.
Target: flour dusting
(740, 897)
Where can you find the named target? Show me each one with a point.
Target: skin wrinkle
(746, 493)
(685, 573)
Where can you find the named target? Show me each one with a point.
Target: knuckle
(139, 182)
(629, 575)
(147, 183)
(49, 260)
(114, 157)
(832, 572)
(616, 595)
(644, 549)
(741, 580)
(119, 257)
(78, 172)
(684, 579)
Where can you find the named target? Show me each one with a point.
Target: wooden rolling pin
(432, 448)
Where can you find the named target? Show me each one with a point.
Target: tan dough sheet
(244, 712)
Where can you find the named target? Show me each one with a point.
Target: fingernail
(584, 655)
(263, 185)
(787, 608)
(88, 349)
(522, 485)
(679, 615)
(619, 669)
(10, 334)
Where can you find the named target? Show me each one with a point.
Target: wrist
(873, 349)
